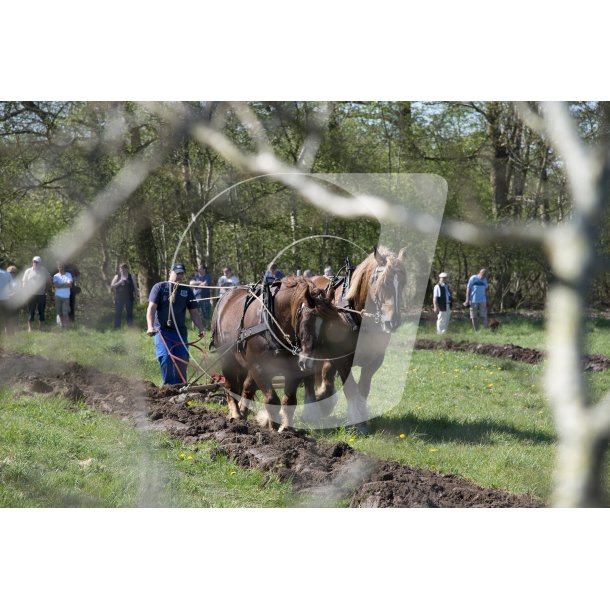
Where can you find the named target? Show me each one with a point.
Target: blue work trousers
(167, 346)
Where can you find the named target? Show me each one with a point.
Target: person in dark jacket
(441, 299)
(125, 295)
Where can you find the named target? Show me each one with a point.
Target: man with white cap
(36, 281)
(441, 299)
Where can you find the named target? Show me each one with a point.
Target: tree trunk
(499, 162)
(146, 247)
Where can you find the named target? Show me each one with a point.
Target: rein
(177, 358)
(361, 313)
(172, 300)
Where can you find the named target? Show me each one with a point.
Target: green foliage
(56, 157)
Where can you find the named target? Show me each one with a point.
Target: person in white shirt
(441, 299)
(62, 282)
(227, 280)
(36, 281)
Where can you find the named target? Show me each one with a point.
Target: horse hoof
(361, 429)
(311, 414)
(262, 419)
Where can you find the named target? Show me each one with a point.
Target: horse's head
(385, 288)
(312, 310)
(377, 285)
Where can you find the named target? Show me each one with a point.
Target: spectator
(308, 273)
(328, 272)
(476, 297)
(273, 273)
(202, 295)
(12, 315)
(36, 282)
(441, 299)
(62, 282)
(74, 289)
(227, 279)
(5, 293)
(166, 319)
(125, 294)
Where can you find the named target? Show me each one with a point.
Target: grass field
(57, 454)
(481, 418)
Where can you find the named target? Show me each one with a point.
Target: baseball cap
(36, 259)
(179, 268)
(443, 274)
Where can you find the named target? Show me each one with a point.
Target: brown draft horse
(253, 352)
(375, 290)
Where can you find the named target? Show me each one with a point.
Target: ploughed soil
(323, 473)
(593, 362)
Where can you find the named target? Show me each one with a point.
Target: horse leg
(268, 417)
(357, 409)
(233, 388)
(326, 394)
(289, 403)
(247, 396)
(364, 383)
(311, 413)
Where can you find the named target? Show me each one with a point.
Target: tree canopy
(55, 157)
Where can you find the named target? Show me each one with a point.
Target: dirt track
(325, 473)
(594, 362)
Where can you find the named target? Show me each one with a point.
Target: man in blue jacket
(476, 297)
(166, 319)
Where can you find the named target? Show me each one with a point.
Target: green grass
(476, 417)
(129, 352)
(54, 453)
(481, 418)
(519, 330)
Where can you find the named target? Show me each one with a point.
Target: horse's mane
(302, 286)
(359, 287)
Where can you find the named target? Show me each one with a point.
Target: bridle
(375, 277)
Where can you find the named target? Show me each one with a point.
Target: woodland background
(55, 157)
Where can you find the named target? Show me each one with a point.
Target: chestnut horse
(369, 309)
(255, 348)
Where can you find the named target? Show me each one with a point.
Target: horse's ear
(378, 257)
(402, 254)
(311, 303)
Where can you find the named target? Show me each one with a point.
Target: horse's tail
(214, 325)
